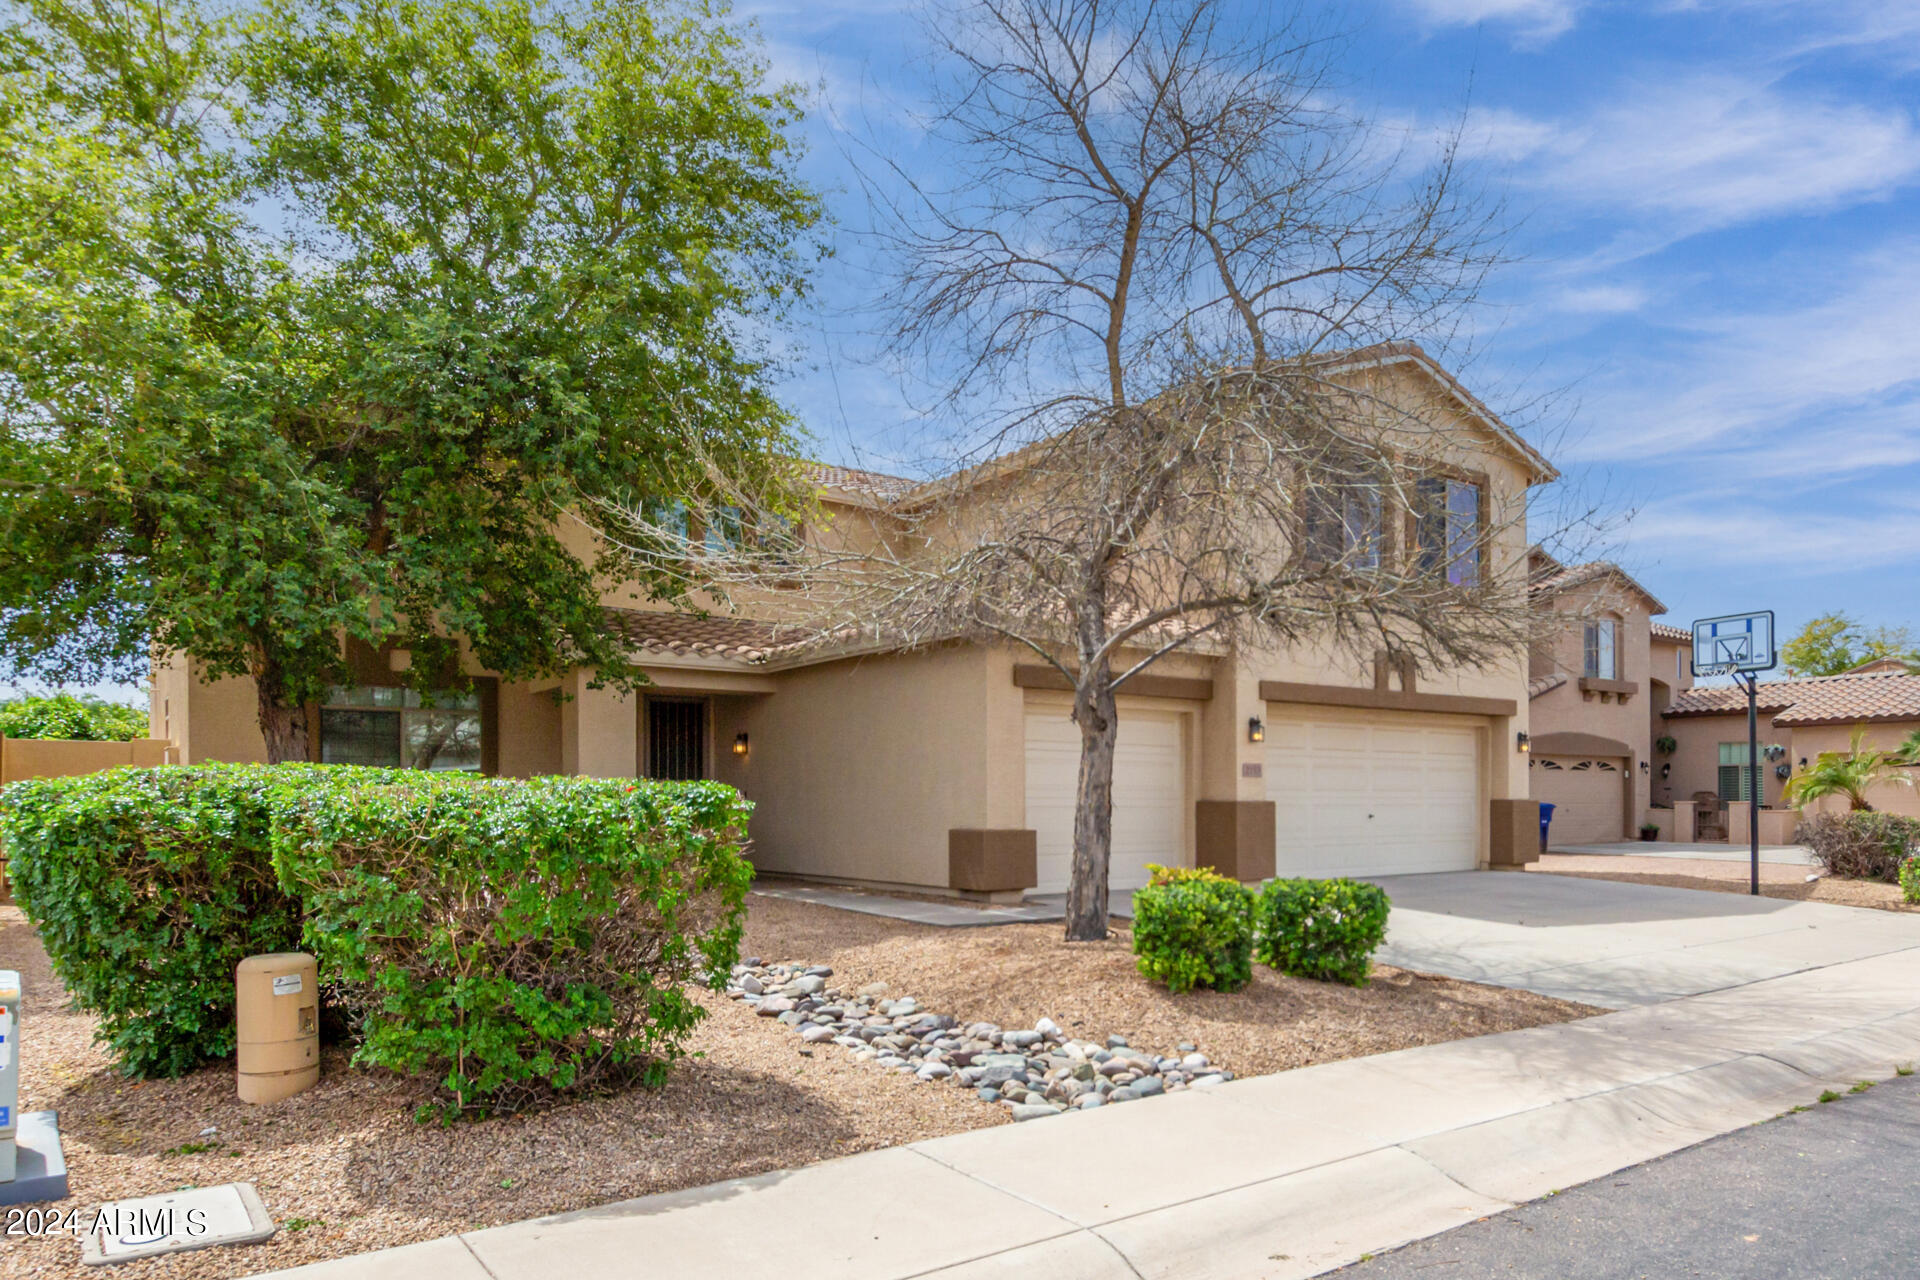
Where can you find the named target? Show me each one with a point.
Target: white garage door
(1588, 796)
(1371, 796)
(1149, 795)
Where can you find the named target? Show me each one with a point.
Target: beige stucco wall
(1671, 675)
(1696, 762)
(1570, 709)
(859, 768)
(1808, 742)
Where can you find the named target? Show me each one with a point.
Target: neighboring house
(1799, 719)
(1599, 675)
(953, 767)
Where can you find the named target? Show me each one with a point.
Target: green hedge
(147, 887)
(1910, 879)
(515, 940)
(1193, 928)
(511, 939)
(1326, 929)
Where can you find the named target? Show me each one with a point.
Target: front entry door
(676, 739)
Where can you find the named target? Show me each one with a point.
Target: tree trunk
(1093, 711)
(284, 727)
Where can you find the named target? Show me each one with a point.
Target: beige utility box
(276, 1010)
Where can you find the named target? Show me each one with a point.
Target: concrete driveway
(1617, 945)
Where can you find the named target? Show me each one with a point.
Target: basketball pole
(1753, 780)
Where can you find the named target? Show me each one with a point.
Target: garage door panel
(1372, 798)
(1588, 794)
(1149, 795)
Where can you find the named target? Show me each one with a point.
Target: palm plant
(1908, 752)
(1852, 773)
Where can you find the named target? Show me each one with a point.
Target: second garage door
(1588, 795)
(1372, 796)
(1149, 794)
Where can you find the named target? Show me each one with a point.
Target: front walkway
(1275, 1176)
(1616, 945)
(1797, 855)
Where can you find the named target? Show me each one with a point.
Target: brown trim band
(1031, 675)
(1594, 684)
(1336, 695)
(1579, 744)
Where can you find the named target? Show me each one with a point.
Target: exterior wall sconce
(1523, 743)
(1666, 771)
(1256, 730)
(1645, 767)
(740, 745)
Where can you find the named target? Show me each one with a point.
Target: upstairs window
(1449, 531)
(1345, 525)
(375, 725)
(1600, 664)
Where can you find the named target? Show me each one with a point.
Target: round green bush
(1324, 929)
(1193, 928)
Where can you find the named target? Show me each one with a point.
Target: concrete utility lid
(123, 1230)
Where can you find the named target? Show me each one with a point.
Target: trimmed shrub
(1325, 929)
(1862, 844)
(516, 940)
(1910, 879)
(1193, 928)
(147, 887)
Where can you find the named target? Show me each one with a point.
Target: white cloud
(1537, 20)
(1602, 299)
(1712, 151)
(1826, 385)
(1735, 530)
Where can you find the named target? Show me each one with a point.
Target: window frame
(1428, 472)
(486, 690)
(1600, 639)
(1744, 776)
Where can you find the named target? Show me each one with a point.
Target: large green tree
(1835, 642)
(320, 317)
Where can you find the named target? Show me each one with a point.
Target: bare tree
(1175, 274)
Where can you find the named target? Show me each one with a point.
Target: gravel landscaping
(1777, 880)
(345, 1169)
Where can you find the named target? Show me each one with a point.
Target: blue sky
(1713, 324)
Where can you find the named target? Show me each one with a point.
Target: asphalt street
(1830, 1192)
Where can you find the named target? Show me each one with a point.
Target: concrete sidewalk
(1273, 1176)
(1793, 855)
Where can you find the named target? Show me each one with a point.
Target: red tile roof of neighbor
(1666, 631)
(1846, 699)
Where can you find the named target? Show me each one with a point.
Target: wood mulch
(345, 1169)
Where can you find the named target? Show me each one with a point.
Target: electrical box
(9, 1072)
(276, 1011)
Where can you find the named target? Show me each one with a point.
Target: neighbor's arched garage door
(1150, 804)
(1588, 794)
(1372, 792)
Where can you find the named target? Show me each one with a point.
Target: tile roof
(1545, 684)
(1557, 577)
(874, 484)
(695, 635)
(1667, 631)
(1845, 699)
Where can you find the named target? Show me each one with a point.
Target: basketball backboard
(1736, 642)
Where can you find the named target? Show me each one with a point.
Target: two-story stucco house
(1601, 676)
(952, 768)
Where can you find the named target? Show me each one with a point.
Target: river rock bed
(1036, 1072)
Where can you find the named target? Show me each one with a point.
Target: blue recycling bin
(1546, 820)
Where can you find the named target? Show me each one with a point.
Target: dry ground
(346, 1165)
(1776, 880)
